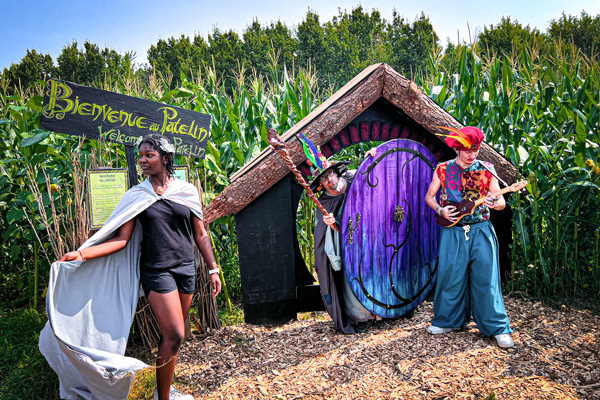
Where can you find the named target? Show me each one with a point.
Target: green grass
(24, 373)
(235, 318)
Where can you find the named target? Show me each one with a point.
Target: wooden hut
(379, 104)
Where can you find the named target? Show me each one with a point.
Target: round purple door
(389, 236)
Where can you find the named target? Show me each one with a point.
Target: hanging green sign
(182, 172)
(105, 187)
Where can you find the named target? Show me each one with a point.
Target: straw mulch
(557, 356)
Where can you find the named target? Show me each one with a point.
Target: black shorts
(164, 280)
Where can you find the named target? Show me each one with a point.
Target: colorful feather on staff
(311, 152)
(280, 148)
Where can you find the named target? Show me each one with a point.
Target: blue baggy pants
(468, 280)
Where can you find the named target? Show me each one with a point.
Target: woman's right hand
(71, 256)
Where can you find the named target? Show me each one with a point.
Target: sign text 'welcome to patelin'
(99, 114)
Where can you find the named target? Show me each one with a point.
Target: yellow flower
(596, 170)
(54, 188)
(69, 201)
(589, 162)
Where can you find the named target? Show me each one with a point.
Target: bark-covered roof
(378, 81)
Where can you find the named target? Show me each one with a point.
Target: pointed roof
(378, 81)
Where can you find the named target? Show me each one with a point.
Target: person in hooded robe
(347, 313)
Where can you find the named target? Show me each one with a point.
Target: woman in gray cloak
(163, 217)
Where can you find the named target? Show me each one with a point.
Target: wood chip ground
(556, 356)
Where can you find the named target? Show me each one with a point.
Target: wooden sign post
(99, 114)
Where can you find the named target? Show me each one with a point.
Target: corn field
(541, 114)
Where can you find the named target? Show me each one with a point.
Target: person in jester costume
(468, 282)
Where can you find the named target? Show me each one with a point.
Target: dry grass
(556, 357)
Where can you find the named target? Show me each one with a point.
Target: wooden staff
(281, 149)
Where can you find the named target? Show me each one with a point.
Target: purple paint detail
(375, 130)
(365, 131)
(395, 132)
(344, 138)
(405, 133)
(385, 131)
(354, 134)
(334, 144)
(400, 178)
(326, 150)
(304, 169)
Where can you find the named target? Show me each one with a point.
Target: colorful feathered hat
(467, 138)
(319, 165)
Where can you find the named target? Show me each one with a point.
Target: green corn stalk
(222, 276)
(576, 254)
(35, 274)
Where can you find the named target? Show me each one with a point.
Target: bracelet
(437, 210)
(213, 271)
(81, 254)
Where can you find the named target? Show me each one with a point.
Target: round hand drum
(389, 236)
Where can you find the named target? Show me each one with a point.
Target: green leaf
(168, 95)
(579, 169)
(253, 151)
(237, 152)
(183, 92)
(14, 251)
(213, 151)
(222, 179)
(14, 215)
(213, 164)
(580, 141)
(585, 184)
(35, 103)
(11, 231)
(523, 234)
(37, 137)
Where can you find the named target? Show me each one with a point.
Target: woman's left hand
(71, 256)
(215, 284)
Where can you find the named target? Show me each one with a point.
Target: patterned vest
(470, 183)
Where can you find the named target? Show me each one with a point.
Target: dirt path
(557, 356)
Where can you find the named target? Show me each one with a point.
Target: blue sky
(133, 25)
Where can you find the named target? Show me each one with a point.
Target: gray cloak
(91, 304)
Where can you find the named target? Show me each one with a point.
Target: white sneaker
(504, 340)
(174, 394)
(434, 330)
